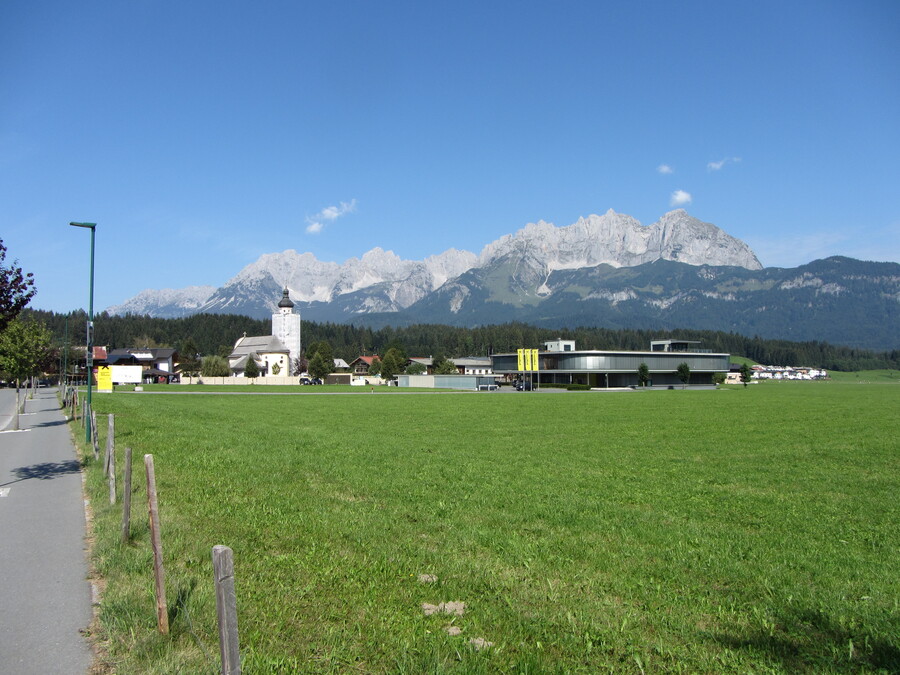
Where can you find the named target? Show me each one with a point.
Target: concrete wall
(185, 379)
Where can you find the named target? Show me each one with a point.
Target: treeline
(216, 334)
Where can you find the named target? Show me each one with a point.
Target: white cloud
(717, 166)
(680, 198)
(665, 169)
(329, 214)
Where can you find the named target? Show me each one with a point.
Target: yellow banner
(104, 378)
(534, 360)
(521, 355)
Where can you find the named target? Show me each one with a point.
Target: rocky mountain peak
(380, 280)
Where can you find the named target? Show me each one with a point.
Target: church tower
(286, 327)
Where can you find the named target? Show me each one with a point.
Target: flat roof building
(561, 364)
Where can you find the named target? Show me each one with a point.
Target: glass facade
(617, 369)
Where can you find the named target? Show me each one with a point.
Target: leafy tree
(323, 348)
(24, 349)
(375, 368)
(147, 342)
(399, 350)
(684, 374)
(16, 289)
(719, 378)
(746, 374)
(393, 363)
(643, 374)
(251, 370)
(299, 365)
(416, 368)
(319, 366)
(214, 366)
(444, 366)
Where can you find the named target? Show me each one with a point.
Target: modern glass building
(560, 363)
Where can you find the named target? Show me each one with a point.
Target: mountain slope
(838, 300)
(607, 271)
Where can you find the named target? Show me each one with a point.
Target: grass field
(741, 530)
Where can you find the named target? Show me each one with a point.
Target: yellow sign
(534, 360)
(104, 379)
(521, 354)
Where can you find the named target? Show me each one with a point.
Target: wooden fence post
(226, 610)
(94, 440)
(126, 498)
(162, 610)
(112, 475)
(110, 442)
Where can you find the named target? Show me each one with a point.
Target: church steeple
(286, 327)
(285, 304)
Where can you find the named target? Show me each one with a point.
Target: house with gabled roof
(157, 363)
(361, 364)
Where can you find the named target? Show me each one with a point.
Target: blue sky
(199, 135)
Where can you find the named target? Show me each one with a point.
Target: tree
(643, 375)
(146, 342)
(319, 366)
(299, 365)
(190, 359)
(375, 367)
(746, 374)
(392, 363)
(16, 289)
(24, 349)
(416, 368)
(323, 348)
(214, 366)
(719, 378)
(684, 374)
(251, 370)
(444, 367)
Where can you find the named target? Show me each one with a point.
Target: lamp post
(90, 332)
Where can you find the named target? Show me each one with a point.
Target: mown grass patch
(746, 529)
(866, 376)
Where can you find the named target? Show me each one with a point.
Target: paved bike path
(45, 597)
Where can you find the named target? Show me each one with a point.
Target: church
(274, 354)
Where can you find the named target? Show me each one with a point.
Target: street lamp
(90, 333)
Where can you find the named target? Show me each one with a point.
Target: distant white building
(274, 354)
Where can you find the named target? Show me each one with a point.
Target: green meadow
(740, 530)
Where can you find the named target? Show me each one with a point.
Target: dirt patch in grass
(454, 607)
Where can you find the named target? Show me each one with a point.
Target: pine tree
(684, 374)
(251, 370)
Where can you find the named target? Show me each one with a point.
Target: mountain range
(604, 270)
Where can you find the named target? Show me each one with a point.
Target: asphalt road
(45, 597)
